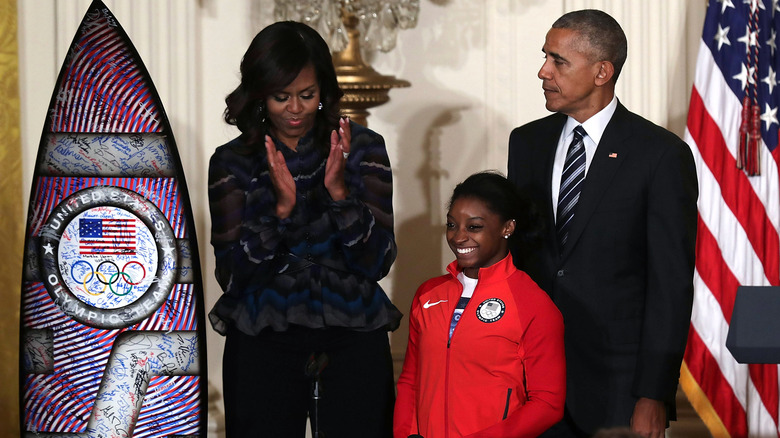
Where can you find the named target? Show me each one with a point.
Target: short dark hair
(603, 34)
(502, 197)
(273, 60)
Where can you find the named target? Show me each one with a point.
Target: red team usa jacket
(503, 372)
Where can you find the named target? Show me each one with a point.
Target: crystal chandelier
(346, 25)
(378, 20)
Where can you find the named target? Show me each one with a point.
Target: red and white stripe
(737, 244)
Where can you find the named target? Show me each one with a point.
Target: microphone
(316, 364)
(314, 367)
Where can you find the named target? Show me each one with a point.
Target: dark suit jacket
(624, 282)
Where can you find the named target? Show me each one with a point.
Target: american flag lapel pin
(613, 155)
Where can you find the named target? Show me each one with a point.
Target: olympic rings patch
(491, 310)
(108, 276)
(109, 257)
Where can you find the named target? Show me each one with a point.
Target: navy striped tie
(571, 184)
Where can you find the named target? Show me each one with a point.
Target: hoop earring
(319, 108)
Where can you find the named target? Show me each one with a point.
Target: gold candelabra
(363, 86)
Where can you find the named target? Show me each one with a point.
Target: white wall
(472, 66)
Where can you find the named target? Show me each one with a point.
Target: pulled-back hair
(273, 60)
(503, 198)
(601, 32)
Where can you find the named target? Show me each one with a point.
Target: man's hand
(649, 419)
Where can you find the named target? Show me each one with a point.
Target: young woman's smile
(476, 235)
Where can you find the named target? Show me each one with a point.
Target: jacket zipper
(447, 363)
(447, 393)
(449, 339)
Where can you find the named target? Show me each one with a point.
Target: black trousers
(267, 392)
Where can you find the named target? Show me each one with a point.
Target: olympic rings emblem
(108, 274)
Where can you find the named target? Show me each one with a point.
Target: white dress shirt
(594, 127)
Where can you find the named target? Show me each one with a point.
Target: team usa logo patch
(491, 310)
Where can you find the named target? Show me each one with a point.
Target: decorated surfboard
(112, 341)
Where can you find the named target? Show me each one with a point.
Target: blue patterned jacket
(317, 268)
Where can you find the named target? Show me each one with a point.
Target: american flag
(733, 132)
(107, 236)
